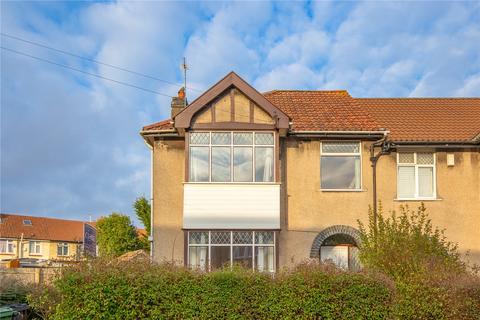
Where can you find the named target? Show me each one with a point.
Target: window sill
(35, 254)
(418, 199)
(8, 253)
(342, 190)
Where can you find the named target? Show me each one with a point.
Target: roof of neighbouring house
(426, 119)
(407, 119)
(41, 228)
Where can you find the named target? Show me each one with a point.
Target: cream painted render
(306, 210)
(48, 250)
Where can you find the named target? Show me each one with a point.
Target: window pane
(264, 164)
(220, 237)
(406, 157)
(242, 161)
(199, 137)
(425, 182)
(220, 257)
(406, 182)
(199, 164)
(264, 138)
(198, 237)
(264, 237)
(220, 164)
(3, 245)
(59, 250)
(198, 257)
(242, 138)
(243, 256)
(424, 158)
(242, 237)
(340, 147)
(340, 172)
(264, 259)
(221, 138)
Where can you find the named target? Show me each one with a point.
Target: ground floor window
(62, 249)
(210, 250)
(6, 246)
(341, 250)
(34, 247)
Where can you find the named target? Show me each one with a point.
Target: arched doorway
(339, 245)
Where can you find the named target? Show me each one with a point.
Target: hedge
(100, 290)
(132, 291)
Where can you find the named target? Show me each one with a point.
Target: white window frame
(63, 245)
(231, 245)
(37, 245)
(331, 154)
(232, 146)
(8, 243)
(416, 166)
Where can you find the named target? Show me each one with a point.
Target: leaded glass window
(416, 175)
(232, 157)
(340, 166)
(210, 250)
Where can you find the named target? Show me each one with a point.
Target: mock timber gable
(231, 104)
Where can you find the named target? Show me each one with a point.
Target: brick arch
(330, 231)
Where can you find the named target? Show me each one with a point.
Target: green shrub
(431, 280)
(132, 291)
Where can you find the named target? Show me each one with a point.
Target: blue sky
(69, 142)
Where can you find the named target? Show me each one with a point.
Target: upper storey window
(340, 167)
(231, 157)
(416, 175)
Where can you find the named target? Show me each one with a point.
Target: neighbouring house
(45, 239)
(269, 180)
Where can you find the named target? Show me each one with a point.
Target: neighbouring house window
(34, 247)
(210, 250)
(340, 166)
(6, 246)
(415, 175)
(231, 157)
(62, 249)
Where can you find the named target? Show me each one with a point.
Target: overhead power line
(94, 61)
(85, 72)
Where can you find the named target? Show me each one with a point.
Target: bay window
(231, 157)
(210, 250)
(416, 175)
(340, 166)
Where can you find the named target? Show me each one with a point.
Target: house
(269, 180)
(45, 239)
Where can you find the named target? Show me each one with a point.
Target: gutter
(338, 134)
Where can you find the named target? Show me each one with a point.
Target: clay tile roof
(162, 125)
(322, 110)
(42, 228)
(426, 119)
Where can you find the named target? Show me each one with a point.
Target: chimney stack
(178, 102)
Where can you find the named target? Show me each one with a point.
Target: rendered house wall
(306, 210)
(168, 178)
(310, 210)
